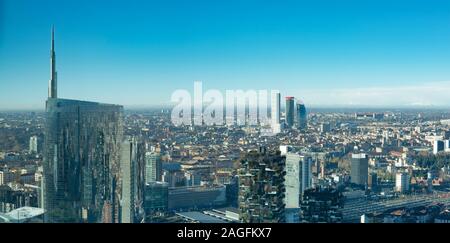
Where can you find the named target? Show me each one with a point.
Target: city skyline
(327, 54)
(159, 113)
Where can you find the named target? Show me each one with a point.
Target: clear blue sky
(139, 52)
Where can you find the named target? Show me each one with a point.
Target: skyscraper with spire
(81, 176)
(53, 82)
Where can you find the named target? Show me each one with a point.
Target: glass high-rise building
(132, 175)
(128, 157)
(81, 158)
(290, 109)
(302, 118)
(359, 169)
(153, 167)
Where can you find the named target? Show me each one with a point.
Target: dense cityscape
(393, 168)
(339, 115)
(83, 161)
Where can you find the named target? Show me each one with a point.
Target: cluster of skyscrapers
(295, 113)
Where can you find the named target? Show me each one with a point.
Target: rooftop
(201, 217)
(21, 214)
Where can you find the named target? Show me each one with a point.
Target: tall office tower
(298, 178)
(133, 180)
(306, 162)
(128, 157)
(261, 187)
(81, 158)
(438, 146)
(293, 185)
(275, 112)
(153, 167)
(293, 180)
(402, 180)
(33, 145)
(81, 164)
(325, 127)
(359, 169)
(290, 110)
(302, 117)
(140, 179)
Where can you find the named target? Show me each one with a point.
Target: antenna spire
(52, 86)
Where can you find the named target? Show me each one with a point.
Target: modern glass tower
(290, 104)
(153, 167)
(132, 158)
(81, 166)
(302, 118)
(128, 157)
(359, 169)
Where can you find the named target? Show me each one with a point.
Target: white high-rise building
(298, 178)
(293, 180)
(402, 182)
(33, 144)
(275, 112)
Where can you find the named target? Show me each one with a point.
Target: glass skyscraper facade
(302, 118)
(81, 168)
(290, 104)
(132, 175)
(359, 169)
(153, 167)
(81, 161)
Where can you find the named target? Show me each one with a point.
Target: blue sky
(348, 52)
